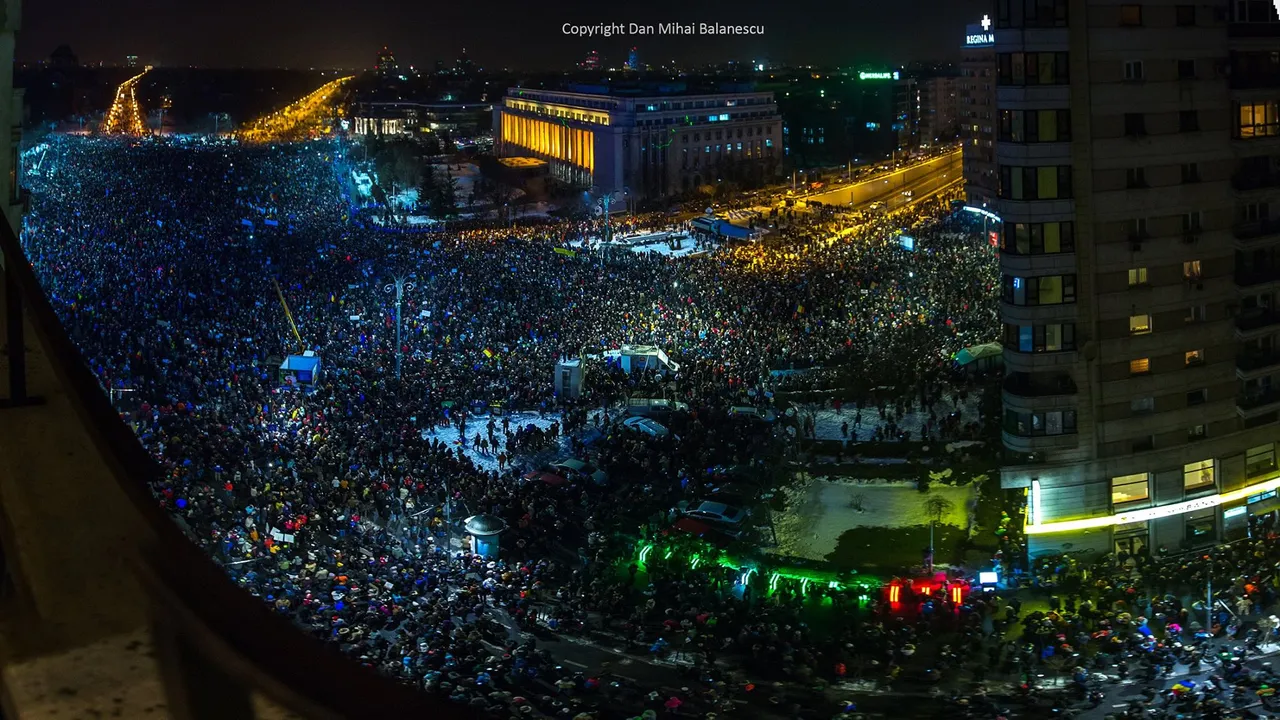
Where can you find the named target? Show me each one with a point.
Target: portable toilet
(568, 380)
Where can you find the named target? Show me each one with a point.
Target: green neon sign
(894, 75)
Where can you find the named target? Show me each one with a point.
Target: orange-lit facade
(551, 140)
(648, 146)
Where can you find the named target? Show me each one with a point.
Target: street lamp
(399, 286)
(606, 200)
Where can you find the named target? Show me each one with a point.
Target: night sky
(496, 33)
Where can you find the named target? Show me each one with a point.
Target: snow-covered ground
(659, 242)
(480, 424)
(827, 423)
(822, 509)
(410, 219)
(465, 176)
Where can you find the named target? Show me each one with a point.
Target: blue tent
(303, 369)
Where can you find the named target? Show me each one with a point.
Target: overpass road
(927, 176)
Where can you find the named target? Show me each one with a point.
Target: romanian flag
(488, 353)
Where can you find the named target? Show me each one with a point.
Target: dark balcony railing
(1257, 359)
(1254, 81)
(1244, 181)
(1257, 319)
(1256, 229)
(1253, 30)
(1247, 276)
(217, 643)
(1257, 398)
(1024, 385)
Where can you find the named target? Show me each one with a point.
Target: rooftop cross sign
(980, 35)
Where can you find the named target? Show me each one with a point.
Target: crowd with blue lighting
(182, 269)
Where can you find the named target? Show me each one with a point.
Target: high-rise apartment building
(1138, 150)
(976, 112)
(938, 120)
(386, 64)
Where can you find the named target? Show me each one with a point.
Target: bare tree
(936, 506)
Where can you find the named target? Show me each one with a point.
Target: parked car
(717, 535)
(546, 475)
(645, 425)
(719, 513)
(654, 407)
(752, 412)
(576, 469)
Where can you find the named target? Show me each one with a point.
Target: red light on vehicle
(957, 595)
(894, 591)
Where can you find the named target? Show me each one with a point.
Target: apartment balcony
(110, 609)
(1259, 402)
(1254, 81)
(1249, 181)
(1262, 30)
(1255, 278)
(1253, 324)
(1030, 385)
(1253, 234)
(1257, 363)
(1023, 445)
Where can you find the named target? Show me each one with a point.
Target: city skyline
(237, 34)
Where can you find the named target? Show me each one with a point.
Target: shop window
(1202, 525)
(1127, 489)
(1197, 475)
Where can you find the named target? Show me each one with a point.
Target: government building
(654, 145)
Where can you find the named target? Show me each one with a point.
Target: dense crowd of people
(182, 271)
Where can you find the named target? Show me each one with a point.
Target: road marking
(575, 664)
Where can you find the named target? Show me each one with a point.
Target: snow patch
(820, 510)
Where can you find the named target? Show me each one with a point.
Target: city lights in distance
(307, 117)
(125, 116)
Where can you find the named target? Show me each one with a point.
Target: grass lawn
(895, 549)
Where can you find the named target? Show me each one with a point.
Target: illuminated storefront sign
(878, 75)
(979, 34)
(1042, 528)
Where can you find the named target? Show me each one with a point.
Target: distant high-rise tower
(591, 61)
(633, 60)
(131, 60)
(464, 65)
(386, 64)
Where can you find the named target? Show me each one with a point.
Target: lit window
(1131, 15)
(1194, 357)
(1260, 459)
(1130, 488)
(1259, 119)
(1137, 276)
(1140, 366)
(1139, 324)
(1197, 475)
(1191, 270)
